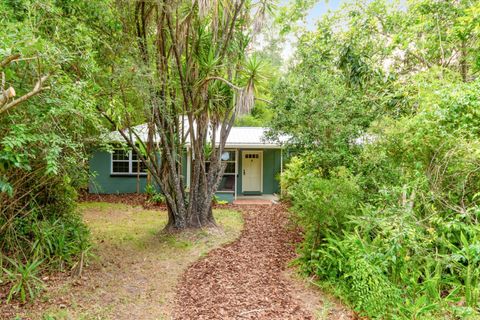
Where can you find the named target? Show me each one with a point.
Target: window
(127, 162)
(227, 182)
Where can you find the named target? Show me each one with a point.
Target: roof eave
(249, 146)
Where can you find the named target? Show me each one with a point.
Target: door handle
(243, 171)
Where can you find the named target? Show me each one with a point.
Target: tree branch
(36, 90)
(264, 100)
(8, 59)
(223, 80)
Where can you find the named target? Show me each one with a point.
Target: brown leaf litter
(248, 279)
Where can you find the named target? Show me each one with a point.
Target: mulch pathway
(245, 279)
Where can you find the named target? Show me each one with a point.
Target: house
(252, 166)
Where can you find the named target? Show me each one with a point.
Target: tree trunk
(463, 61)
(178, 85)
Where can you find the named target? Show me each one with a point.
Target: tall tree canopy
(365, 61)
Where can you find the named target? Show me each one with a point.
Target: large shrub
(407, 246)
(391, 93)
(322, 204)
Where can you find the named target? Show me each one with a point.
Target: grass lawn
(135, 266)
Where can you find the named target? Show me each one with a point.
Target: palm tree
(199, 78)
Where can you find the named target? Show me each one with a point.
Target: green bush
(154, 196)
(157, 198)
(400, 238)
(296, 168)
(45, 141)
(51, 230)
(323, 204)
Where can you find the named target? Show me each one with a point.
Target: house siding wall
(103, 182)
(271, 170)
(225, 196)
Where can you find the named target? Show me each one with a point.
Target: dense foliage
(45, 140)
(381, 105)
(383, 115)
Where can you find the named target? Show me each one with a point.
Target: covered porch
(252, 166)
(251, 174)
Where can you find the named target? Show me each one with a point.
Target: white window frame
(130, 165)
(235, 160)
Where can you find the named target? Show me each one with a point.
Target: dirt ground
(135, 271)
(249, 278)
(141, 273)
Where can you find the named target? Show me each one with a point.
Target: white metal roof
(239, 137)
(244, 137)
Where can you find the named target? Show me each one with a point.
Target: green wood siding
(271, 169)
(103, 182)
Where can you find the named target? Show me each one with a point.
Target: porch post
(236, 172)
(189, 166)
